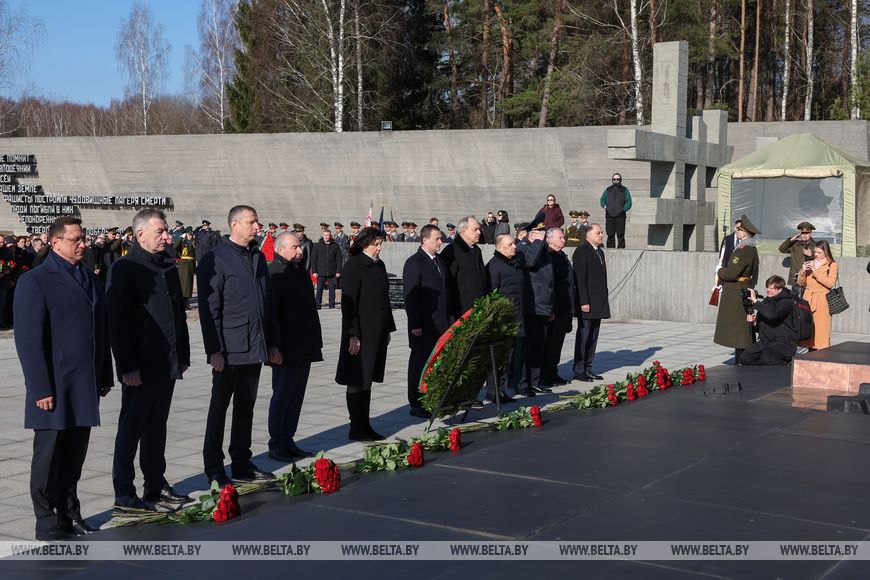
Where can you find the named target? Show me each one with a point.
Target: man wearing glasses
(64, 353)
(616, 201)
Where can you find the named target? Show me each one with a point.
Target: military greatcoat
(732, 329)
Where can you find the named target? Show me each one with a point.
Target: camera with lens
(746, 298)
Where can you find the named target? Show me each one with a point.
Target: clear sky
(75, 59)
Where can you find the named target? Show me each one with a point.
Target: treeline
(338, 65)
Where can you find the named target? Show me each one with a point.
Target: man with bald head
(301, 345)
(590, 278)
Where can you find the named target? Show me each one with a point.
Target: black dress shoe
(52, 535)
(221, 479)
(420, 412)
(595, 377)
(282, 455)
(583, 377)
(528, 392)
(295, 450)
(252, 473)
(77, 527)
(477, 404)
(131, 502)
(542, 389)
(558, 381)
(165, 494)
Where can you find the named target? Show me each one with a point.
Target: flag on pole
(368, 220)
(381, 220)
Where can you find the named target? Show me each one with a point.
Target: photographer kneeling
(774, 319)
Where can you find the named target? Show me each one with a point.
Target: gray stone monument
(683, 158)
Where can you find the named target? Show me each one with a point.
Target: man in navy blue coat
(62, 339)
(424, 283)
(593, 305)
(240, 333)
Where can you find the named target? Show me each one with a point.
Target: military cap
(520, 226)
(584, 213)
(574, 213)
(179, 223)
(324, 225)
(405, 224)
(355, 225)
(299, 227)
(451, 227)
(129, 230)
(806, 227)
(412, 225)
(9, 240)
(188, 230)
(748, 226)
(272, 226)
(112, 230)
(283, 226)
(538, 226)
(206, 223)
(338, 225)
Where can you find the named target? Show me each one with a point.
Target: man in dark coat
(777, 333)
(306, 244)
(487, 229)
(205, 240)
(239, 333)
(508, 273)
(424, 283)
(563, 308)
(542, 313)
(469, 279)
(326, 261)
(593, 306)
(112, 251)
(341, 239)
(301, 345)
(616, 201)
(64, 353)
(148, 327)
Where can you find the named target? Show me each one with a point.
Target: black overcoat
(365, 314)
(326, 259)
(62, 339)
(468, 279)
(590, 280)
(425, 290)
(147, 320)
(296, 312)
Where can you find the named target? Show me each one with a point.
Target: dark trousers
(416, 366)
(55, 470)
(238, 383)
(585, 344)
(288, 391)
(535, 343)
(556, 331)
(767, 354)
(615, 227)
(322, 281)
(142, 424)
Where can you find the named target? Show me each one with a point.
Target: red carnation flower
(629, 392)
(229, 493)
(415, 456)
(641, 381)
(327, 475)
(535, 412)
(220, 514)
(642, 391)
(611, 388)
(455, 439)
(613, 399)
(656, 363)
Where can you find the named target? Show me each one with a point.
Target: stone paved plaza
(624, 346)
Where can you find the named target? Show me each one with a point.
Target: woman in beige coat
(818, 276)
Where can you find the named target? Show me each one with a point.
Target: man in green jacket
(616, 201)
(800, 247)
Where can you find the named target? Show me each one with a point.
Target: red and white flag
(368, 221)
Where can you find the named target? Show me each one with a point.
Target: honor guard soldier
(305, 243)
(354, 233)
(741, 272)
(576, 234)
(185, 252)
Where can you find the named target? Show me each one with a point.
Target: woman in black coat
(366, 324)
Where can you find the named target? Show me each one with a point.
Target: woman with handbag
(819, 276)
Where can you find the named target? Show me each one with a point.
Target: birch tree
(808, 101)
(20, 33)
(213, 65)
(558, 7)
(335, 34)
(752, 108)
(786, 60)
(853, 62)
(143, 54)
(638, 70)
(741, 78)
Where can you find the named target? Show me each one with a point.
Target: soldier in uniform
(341, 239)
(185, 251)
(306, 244)
(732, 329)
(576, 234)
(127, 241)
(112, 252)
(451, 234)
(354, 233)
(800, 247)
(205, 239)
(412, 235)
